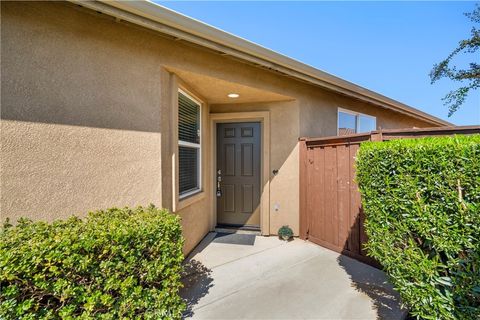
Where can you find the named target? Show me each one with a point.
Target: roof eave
(156, 17)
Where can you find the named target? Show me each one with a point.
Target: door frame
(263, 117)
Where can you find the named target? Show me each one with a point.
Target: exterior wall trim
(264, 118)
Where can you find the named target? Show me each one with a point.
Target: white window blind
(189, 147)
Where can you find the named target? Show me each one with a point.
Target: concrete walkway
(273, 279)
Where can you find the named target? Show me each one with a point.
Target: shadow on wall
(373, 282)
(197, 282)
(63, 72)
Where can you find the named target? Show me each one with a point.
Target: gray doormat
(235, 238)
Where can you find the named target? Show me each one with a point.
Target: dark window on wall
(347, 123)
(366, 123)
(188, 173)
(189, 147)
(350, 122)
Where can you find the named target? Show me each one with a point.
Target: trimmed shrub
(117, 263)
(421, 199)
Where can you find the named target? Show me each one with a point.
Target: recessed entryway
(238, 173)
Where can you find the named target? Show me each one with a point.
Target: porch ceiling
(216, 90)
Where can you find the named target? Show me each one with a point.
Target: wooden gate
(330, 206)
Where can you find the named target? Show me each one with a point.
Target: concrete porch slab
(273, 279)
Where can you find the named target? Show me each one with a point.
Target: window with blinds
(189, 151)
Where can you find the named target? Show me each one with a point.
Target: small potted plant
(285, 233)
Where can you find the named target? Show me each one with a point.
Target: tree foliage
(469, 77)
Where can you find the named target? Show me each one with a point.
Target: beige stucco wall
(80, 127)
(51, 171)
(88, 120)
(319, 115)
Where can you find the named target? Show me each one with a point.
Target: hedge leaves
(117, 263)
(421, 199)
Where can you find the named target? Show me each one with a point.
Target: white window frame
(197, 146)
(357, 119)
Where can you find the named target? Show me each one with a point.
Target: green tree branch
(469, 77)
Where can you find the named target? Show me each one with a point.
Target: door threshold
(221, 228)
(238, 227)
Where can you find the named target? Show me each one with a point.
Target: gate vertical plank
(355, 204)
(313, 181)
(343, 198)
(317, 176)
(321, 191)
(311, 191)
(331, 214)
(304, 183)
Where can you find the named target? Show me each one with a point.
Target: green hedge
(117, 263)
(421, 198)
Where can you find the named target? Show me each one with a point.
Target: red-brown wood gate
(330, 206)
(331, 213)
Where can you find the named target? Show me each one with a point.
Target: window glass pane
(188, 119)
(346, 123)
(366, 124)
(188, 169)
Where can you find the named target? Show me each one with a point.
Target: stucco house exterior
(112, 103)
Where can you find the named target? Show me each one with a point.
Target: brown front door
(238, 173)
